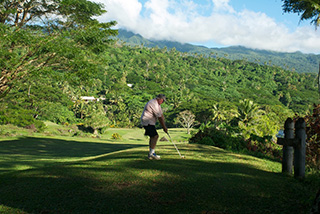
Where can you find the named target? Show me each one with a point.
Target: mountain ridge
(296, 61)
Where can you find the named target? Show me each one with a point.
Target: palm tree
(249, 112)
(218, 114)
(250, 116)
(79, 108)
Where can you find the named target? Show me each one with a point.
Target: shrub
(222, 139)
(229, 140)
(116, 136)
(264, 145)
(103, 130)
(20, 117)
(57, 113)
(313, 138)
(206, 140)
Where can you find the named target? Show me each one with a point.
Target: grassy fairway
(71, 175)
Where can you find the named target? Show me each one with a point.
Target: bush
(57, 113)
(206, 141)
(20, 117)
(313, 139)
(222, 139)
(80, 134)
(264, 145)
(103, 130)
(259, 146)
(12, 130)
(116, 136)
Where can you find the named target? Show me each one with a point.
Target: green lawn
(51, 174)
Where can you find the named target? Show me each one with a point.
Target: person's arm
(161, 120)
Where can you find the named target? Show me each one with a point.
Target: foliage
(124, 109)
(44, 98)
(249, 112)
(253, 130)
(13, 130)
(25, 53)
(264, 146)
(125, 78)
(259, 137)
(20, 117)
(309, 9)
(210, 88)
(68, 13)
(253, 120)
(67, 44)
(313, 138)
(19, 13)
(223, 139)
(96, 118)
(116, 136)
(57, 113)
(297, 61)
(260, 146)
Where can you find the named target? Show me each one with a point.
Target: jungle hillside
(296, 61)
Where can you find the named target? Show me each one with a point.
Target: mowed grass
(41, 174)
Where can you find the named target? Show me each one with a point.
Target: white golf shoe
(154, 156)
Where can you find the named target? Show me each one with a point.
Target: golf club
(181, 156)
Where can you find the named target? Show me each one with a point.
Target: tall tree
(96, 117)
(248, 111)
(309, 9)
(70, 12)
(25, 51)
(20, 12)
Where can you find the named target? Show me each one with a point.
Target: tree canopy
(65, 37)
(49, 12)
(309, 9)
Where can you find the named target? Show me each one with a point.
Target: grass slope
(84, 175)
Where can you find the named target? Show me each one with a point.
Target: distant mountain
(297, 61)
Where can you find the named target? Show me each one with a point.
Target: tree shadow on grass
(127, 182)
(30, 152)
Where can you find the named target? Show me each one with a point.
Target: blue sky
(273, 8)
(257, 24)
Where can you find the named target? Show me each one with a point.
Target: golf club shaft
(174, 145)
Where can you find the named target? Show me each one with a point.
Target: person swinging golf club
(151, 113)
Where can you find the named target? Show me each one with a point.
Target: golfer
(151, 113)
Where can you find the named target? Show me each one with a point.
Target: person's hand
(165, 130)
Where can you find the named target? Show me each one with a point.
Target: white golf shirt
(151, 112)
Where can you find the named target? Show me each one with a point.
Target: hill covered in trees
(126, 77)
(47, 69)
(296, 61)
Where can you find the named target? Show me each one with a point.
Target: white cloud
(222, 5)
(181, 20)
(125, 12)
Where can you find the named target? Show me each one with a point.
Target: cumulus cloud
(216, 21)
(125, 12)
(222, 5)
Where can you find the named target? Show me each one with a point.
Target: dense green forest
(47, 68)
(127, 77)
(297, 61)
